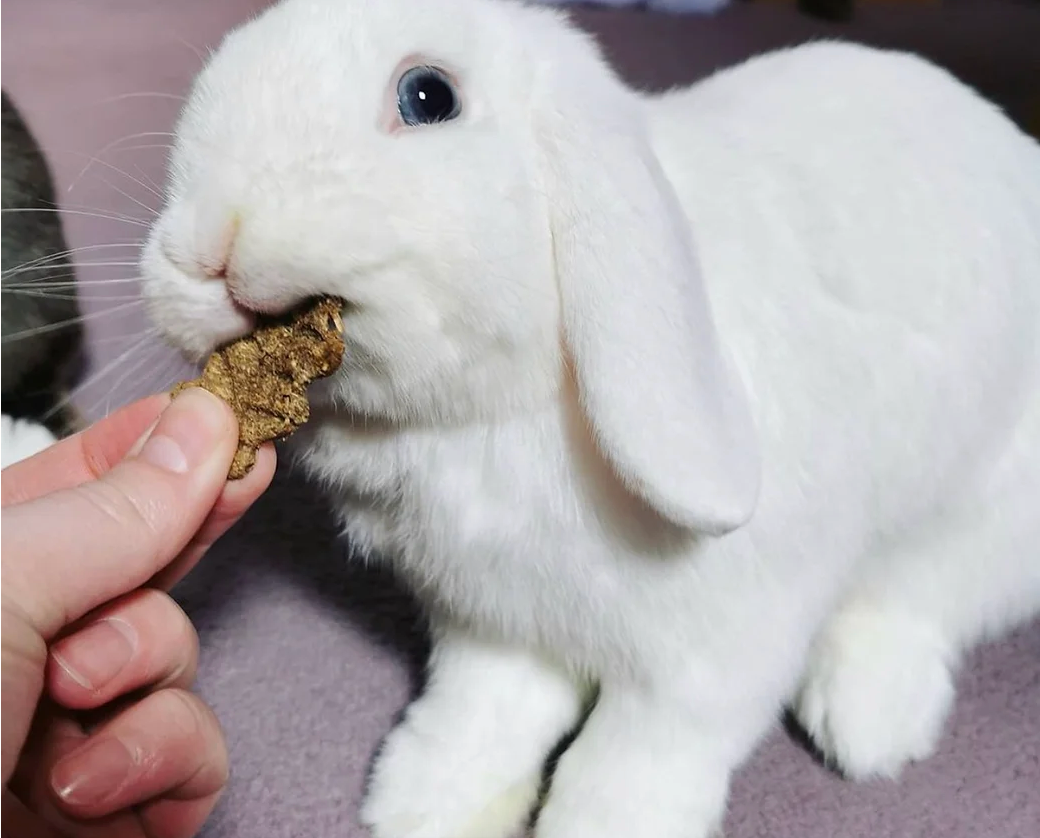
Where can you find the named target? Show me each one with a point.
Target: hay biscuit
(264, 375)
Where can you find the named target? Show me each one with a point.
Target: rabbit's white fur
(811, 476)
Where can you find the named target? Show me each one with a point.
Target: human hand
(95, 529)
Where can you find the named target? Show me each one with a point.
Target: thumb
(70, 551)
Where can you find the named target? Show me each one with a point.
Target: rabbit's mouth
(276, 311)
(256, 306)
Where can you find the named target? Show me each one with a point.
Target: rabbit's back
(869, 230)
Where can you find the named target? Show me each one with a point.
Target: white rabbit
(695, 404)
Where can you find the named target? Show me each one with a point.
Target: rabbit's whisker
(155, 94)
(194, 49)
(112, 145)
(136, 366)
(104, 216)
(45, 278)
(62, 324)
(67, 280)
(151, 211)
(151, 331)
(97, 376)
(52, 295)
(63, 254)
(85, 208)
(93, 159)
(148, 183)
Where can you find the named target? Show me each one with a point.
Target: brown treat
(264, 375)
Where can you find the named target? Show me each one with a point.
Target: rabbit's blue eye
(425, 95)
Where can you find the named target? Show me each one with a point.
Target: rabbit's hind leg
(879, 684)
(877, 691)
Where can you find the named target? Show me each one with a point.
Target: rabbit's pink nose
(216, 265)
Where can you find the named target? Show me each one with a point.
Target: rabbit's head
(476, 184)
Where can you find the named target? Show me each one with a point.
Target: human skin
(95, 531)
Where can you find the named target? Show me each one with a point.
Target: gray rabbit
(42, 335)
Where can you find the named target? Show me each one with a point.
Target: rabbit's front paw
(640, 768)
(467, 760)
(877, 692)
(420, 789)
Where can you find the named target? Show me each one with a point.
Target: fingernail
(96, 654)
(187, 433)
(97, 771)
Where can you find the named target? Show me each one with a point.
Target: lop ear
(661, 397)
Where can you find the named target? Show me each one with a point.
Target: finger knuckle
(138, 517)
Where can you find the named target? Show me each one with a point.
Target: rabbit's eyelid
(420, 60)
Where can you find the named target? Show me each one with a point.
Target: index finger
(82, 457)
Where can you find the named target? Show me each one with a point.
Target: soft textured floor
(308, 659)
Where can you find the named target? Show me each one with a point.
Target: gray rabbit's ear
(662, 399)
